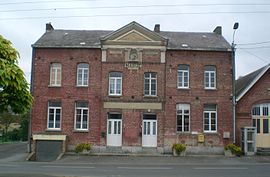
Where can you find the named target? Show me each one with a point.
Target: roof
(245, 83)
(91, 39)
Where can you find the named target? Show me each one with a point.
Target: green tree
(14, 89)
(6, 118)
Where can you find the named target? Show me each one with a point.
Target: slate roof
(91, 39)
(243, 84)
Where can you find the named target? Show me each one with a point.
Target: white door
(149, 133)
(114, 132)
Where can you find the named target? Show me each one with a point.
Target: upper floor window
(54, 115)
(150, 84)
(81, 116)
(183, 76)
(210, 118)
(210, 77)
(261, 110)
(55, 74)
(82, 74)
(182, 117)
(115, 83)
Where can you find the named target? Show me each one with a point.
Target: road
(13, 151)
(111, 166)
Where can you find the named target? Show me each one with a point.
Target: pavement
(17, 152)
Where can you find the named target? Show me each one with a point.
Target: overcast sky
(23, 22)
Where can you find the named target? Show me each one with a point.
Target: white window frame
(54, 108)
(113, 80)
(82, 108)
(181, 75)
(211, 73)
(55, 77)
(152, 78)
(183, 107)
(82, 80)
(209, 112)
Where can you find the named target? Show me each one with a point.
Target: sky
(23, 22)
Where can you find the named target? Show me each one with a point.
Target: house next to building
(253, 105)
(132, 88)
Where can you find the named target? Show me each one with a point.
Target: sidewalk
(169, 160)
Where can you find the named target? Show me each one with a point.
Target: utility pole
(235, 27)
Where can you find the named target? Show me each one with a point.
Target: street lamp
(235, 27)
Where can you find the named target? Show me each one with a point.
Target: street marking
(220, 168)
(145, 168)
(67, 167)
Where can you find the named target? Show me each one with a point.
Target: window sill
(210, 89)
(211, 132)
(183, 133)
(114, 96)
(54, 86)
(80, 131)
(53, 130)
(183, 88)
(82, 86)
(149, 96)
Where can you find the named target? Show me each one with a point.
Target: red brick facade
(257, 94)
(133, 92)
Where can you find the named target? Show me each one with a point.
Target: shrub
(178, 148)
(83, 146)
(234, 149)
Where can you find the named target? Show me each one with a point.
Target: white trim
(252, 83)
(209, 119)
(151, 78)
(103, 55)
(84, 70)
(81, 123)
(54, 117)
(115, 79)
(183, 107)
(134, 46)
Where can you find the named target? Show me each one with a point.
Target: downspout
(31, 91)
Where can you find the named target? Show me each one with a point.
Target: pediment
(134, 34)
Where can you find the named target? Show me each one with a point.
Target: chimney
(218, 30)
(49, 27)
(157, 28)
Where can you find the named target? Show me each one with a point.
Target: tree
(14, 89)
(6, 118)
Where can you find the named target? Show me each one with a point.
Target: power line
(132, 15)
(39, 2)
(255, 43)
(260, 58)
(119, 7)
(208, 4)
(261, 47)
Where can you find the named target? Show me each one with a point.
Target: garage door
(48, 150)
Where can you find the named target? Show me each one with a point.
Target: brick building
(253, 105)
(132, 88)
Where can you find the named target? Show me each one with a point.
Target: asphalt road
(132, 166)
(13, 151)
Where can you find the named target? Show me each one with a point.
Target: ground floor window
(260, 117)
(210, 118)
(182, 117)
(81, 116)
(54, 115)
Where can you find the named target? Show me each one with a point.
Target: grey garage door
(48, 150)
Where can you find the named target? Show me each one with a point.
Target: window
(82, 74)
(182, 117)
(183, 76)
(210, 77)
(54, 115)
(210, 118)
(150, 84)
(55, 74)
(260, 116)
(81, 116)
(115, 83)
